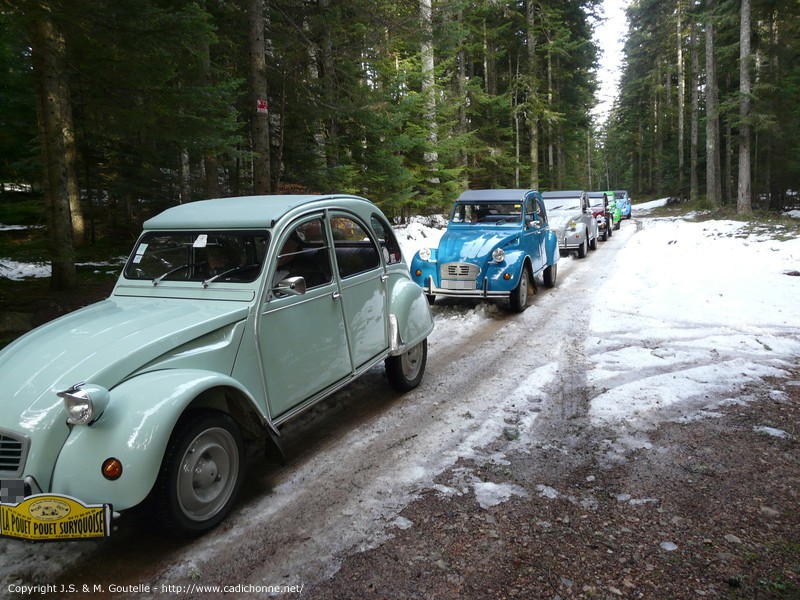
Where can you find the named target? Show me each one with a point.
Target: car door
(586, 216)
(302, 336)
(536, 223)
(363, 287)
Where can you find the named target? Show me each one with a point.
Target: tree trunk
(743, 202)
(259, 106)
(431, 156)
(694, 185)
(681, 92)
(550, 153)
(533, 117)
(713, 175)
(50, 77)
(332, 149)
(462, 92)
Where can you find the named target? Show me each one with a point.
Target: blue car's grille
(13, 451)
(459, 271)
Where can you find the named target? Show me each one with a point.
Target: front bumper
(470, 289)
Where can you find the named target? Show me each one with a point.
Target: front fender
(135, 428)
(410, 308)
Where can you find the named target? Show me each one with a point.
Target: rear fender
(551, 248)
(410, 313)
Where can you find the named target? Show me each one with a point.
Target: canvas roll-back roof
(513, 195)
(239, 212)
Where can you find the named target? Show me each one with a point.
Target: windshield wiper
(229, 271)
(158, 279)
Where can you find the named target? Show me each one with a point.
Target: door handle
(336, 295)
(384, 277)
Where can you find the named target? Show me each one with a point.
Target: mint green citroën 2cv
(231, 317)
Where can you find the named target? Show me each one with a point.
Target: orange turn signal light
(506, 276)
(111, 469)
(418, 272)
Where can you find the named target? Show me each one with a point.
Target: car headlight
(498, 255)
(425, 253)
(572, 225)
(84, 403)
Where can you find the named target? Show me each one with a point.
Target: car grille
(13, 452)
(458, 271)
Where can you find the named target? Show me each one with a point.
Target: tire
(431, 298)
(617, 224)
(549, 275)
(593, 243)
(519, 295)
(609, 231)
(201, 473)
(582, 251)
(405, 370)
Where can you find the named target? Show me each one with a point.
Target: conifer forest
(112, 110)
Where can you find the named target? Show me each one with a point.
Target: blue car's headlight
(498, 255)
(425, 253)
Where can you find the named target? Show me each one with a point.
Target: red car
(598, 202)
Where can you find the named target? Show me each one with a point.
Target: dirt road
(489, 480)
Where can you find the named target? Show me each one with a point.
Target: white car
(571, 219)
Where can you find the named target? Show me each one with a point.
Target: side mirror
(291, 286)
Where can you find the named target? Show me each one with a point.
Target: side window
(387, 240)
(305, 254)
(355, 250)
(530, 209)
(541, 215)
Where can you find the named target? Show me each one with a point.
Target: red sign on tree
(262, 106)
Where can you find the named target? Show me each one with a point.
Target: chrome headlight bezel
(425, 253)
(84, 403)
(572, 225)
(498, 255)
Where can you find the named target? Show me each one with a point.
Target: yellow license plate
(53, 517)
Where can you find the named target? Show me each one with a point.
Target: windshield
(596, 200)
(202, 256)
(487, 212)
(562, 203)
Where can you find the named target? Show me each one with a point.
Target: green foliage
(19, 153)
(160, 99)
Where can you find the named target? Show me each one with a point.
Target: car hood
(559, 219)
(472, 245)
(104, 344)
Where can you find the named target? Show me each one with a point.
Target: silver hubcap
(412, 362)
(523, 288)
(208, 474)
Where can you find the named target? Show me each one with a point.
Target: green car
(616, 213)
(231, 317)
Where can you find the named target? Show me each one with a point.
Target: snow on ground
(694, 309)
(698, 307)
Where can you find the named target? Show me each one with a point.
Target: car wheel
(431, 298)
(549, 275)
(583, 249)
(519, 296)
(593, 243)
(609, 232)
(617, 224)
(405, 370)
(201, 473)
